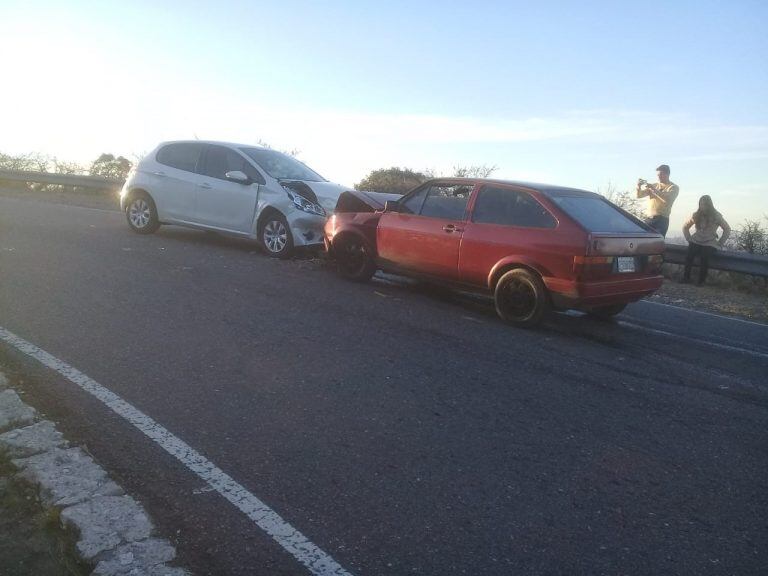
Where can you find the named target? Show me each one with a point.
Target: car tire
(276, 237)
(521, 298)
(353, 259)
(141, 214)
(606, 312)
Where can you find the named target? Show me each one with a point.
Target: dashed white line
(294, 542)
(690, 339)
(703, 313)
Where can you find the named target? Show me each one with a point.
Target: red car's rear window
(597, 214)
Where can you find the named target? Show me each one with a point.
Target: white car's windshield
(281, 166)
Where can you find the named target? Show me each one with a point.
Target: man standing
(661, 196)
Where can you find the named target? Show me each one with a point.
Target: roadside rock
(130, 558)
(106, 522)
(31, 440)
(67, 476)
(161, 570)
(13, 412)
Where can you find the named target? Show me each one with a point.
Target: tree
(474, 171)
(751, 237)
(108, 166)
(623, 199)
(398, 180)
(29, 162)
(393, 180)
(290, 152)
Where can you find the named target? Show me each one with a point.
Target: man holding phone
(661, 196)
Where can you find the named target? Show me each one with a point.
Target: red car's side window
(446, 202)
(413, 204)
(495, 205)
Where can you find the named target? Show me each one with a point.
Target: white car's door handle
(206, 186)
(162, 174)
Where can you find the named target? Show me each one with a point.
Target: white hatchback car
(234, 188)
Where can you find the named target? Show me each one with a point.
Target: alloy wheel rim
(139, 213)
(275, 236)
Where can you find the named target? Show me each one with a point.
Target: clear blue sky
(575, 93)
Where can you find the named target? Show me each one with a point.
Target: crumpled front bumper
(307, 229)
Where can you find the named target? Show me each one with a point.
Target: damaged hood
(327, 193)
(364, 201)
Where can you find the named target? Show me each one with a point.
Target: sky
(579, 93)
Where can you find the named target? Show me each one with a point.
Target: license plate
(626, 264)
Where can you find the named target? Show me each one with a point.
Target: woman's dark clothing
(704, 253)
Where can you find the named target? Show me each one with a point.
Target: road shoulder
(714, 300)
(78, 510)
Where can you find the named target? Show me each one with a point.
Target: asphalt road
(402, 429)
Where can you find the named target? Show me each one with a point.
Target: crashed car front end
(308, 216)
(357, 212)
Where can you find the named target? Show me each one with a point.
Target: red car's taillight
(591, 267)
(653, 264)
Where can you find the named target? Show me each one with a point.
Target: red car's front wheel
(354, 259)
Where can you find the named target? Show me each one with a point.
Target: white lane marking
(294, 542)
(690, 339)
(742, 320)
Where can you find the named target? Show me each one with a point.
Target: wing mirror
(391, 206)
(237, 176)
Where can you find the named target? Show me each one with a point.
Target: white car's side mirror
(237, 176)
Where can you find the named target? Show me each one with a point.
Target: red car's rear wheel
(521, 298)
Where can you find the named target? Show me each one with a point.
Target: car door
(425, 235)
(507, 222)
(222, 203)
(173, 179)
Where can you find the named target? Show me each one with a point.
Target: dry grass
(725, 293)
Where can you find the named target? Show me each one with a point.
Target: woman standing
(704, 242)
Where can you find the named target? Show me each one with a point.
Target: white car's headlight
(303, 204)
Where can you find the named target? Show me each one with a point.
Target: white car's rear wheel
(141, 214)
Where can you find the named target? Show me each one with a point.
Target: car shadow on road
(572, 323)
(225, 241)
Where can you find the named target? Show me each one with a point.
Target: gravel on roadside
(714, 299)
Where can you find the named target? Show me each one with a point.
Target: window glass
(597, 214)
(447, 201)
(183, 155)
(413, 204)
(510, 208)
(281, 166)
(220, 160)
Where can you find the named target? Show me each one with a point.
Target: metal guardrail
(724, 260)
(76, 180)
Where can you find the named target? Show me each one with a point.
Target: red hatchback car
(533, 247)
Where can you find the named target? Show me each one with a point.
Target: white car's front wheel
(276, 236)
(141, 214)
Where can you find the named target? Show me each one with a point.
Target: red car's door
(508, 222)
(424, 237)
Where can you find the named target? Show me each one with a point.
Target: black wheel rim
(518, 299)
(352, 257)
